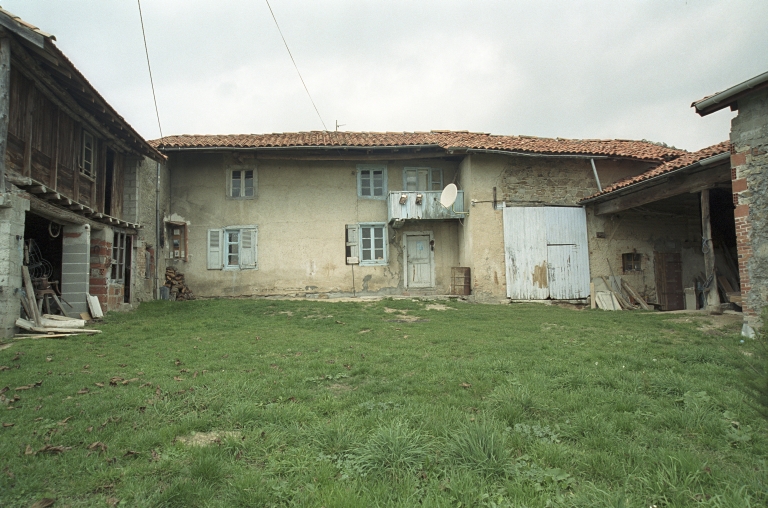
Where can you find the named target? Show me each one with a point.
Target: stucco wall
(301, 209)
(521, 181)
(749, 135)
(145, 249)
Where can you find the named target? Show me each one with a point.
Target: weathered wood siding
(44, 143)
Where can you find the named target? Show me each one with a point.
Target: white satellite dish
(448, 196)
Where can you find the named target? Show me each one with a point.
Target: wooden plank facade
(46, 144)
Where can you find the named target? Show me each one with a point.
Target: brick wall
(110, 294)
(749, 174)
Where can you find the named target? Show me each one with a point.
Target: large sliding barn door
(546, 253)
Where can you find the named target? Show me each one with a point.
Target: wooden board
(94, 306)
(606, 300)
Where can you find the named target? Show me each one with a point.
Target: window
(233, 247)
(422, 179)
(118, 256)
(632, 262)
(87, 157)
(366, 244)
(371, 181)
(242, 183)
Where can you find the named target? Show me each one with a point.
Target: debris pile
(178, 289)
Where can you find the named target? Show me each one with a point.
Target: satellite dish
(448, 196)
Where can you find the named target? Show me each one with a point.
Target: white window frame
(230, 181)
(361, 249)
(117, 272)
(433, 175)
(88, 164)
(217, 247)
(369, 169)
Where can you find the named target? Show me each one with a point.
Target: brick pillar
(101, 264)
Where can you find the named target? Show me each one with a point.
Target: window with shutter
(248, 251)
(352, 247)
(422, 179)
(214, 249)
(373, 244)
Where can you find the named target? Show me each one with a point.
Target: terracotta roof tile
(642, 150)
(684, 160)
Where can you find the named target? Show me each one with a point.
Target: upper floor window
(242, 183)
(422, 179)
(371, 181)
(88, 155)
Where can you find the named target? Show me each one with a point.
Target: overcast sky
(575, 69)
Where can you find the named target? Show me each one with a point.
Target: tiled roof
(683, 161)
(642, 150)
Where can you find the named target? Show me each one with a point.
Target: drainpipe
(597, 179)
(157, 234)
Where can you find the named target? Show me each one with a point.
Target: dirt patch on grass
(317, 316)
(208, 438)
(438, 306)
(286, 312)
(392, 311)
(711, 323)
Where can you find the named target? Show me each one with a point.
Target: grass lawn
(390, 403)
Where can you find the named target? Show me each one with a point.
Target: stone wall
(145, 248)
(12, 216)
(749, 162)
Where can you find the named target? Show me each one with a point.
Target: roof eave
(628, 189)
(727, 97)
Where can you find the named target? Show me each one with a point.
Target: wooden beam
(5, 95)
(674, 186)
(58, 214)
(713, 297)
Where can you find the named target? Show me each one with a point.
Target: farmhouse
(95, 212)
(324, 213)
(73, 184)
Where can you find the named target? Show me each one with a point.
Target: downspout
(597, 179)
(157, 234)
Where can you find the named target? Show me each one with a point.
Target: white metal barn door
(525, 250)
(546, 253)
(567, 253)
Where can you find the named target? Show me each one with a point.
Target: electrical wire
(296, 66)
(149, 67)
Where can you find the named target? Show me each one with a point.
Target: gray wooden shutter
(248, 248)
(214, 249)
(353, 252)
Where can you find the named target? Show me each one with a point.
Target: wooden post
(713, 297)
(5, 94)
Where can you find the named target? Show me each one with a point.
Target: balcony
(420, 205)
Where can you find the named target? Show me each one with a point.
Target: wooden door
(669, 280)
(419, 261)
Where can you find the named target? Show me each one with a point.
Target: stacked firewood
(174, 281)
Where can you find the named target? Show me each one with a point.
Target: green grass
(384, 404)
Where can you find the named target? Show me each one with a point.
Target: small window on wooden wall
(632, 262)
(88, 155)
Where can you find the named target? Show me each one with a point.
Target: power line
(296, 66)
(151, 81)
